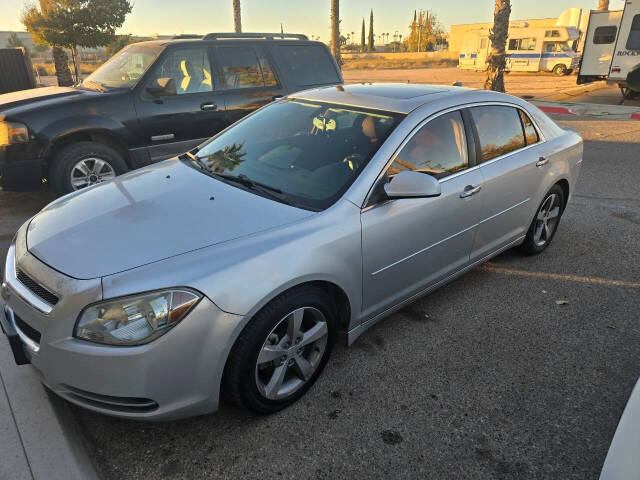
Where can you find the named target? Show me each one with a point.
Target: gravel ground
(485, 378)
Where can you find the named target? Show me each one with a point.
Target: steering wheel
(353, 161)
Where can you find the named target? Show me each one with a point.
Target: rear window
(633, 42)
(605, 35)
(499, 130)
(308, 65)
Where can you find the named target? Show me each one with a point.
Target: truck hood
(46, 96)
(148, 215)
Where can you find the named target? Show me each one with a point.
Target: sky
(168, 17)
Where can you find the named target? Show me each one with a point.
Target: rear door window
(308, 65)
(244, 67)
(530, 132)
(499, 130)
(633, 41)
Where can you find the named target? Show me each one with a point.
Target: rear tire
(560, 69)
(82, 164)
(266, 347)
(545, 223)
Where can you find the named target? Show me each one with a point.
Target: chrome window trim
(542, 139)
(15, 284)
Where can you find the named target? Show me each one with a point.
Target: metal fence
(16, 72)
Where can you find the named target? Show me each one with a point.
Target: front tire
(545, 223)
(82, 164)
(560, 70)
(281, 352)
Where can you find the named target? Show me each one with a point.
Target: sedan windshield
(124, 69)
(300, 152)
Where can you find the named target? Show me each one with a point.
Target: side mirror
(162, 87)
(409, 184)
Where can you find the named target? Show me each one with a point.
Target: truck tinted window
(633, 41)
(308, 64)
(499, 130)
(242, 68)
(605, 35)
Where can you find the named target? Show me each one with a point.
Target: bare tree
(335, 31)
(603, 5)
(497, 60)
(237, 18)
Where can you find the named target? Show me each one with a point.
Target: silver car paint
(243, 269)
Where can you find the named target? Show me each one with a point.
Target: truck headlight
(13, 132)
(137, 319)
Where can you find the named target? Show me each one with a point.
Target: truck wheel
(560, 69)
(82, 164)
(628, 93)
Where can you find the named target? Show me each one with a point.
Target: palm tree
(335, 31)
(237, 18)
(496, 62)
(603, 5)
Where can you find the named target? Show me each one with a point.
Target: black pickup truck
(149, 102)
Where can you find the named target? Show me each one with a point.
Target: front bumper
(22, 166)
(174, 376)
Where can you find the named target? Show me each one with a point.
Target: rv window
(605, 35)
(633, 42)
(522, 44)
(552, 33)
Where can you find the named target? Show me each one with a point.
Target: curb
(588, 87)
(48, 445)
(613, 112)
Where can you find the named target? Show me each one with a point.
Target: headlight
(135, 320)
(13, 132)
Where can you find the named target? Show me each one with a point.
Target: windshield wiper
(98, 86)
(265, 190)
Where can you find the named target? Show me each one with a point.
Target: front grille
(27, 329)
(118, 404)
(36, 288)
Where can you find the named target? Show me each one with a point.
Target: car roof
(396, 97)
(226, 37)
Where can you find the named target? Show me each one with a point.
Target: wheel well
(98, 136)
(339, 297)
(565, 189)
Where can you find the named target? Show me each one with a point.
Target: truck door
(599, 45)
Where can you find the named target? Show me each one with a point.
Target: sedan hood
(145, 216)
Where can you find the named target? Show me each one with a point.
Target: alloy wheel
(90, 171)
(547, 220)
(291, 353)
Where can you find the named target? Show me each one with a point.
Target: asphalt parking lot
(489, 377)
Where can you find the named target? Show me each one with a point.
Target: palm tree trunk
(496, 62)
(61, 62)
(603, 5)
(75, 56)
(237, 19)
(335, 31)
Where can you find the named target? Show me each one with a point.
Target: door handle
(276, 97)
(542, 161)
(470, 190)
(208, 107)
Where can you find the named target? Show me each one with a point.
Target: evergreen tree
(363, 44)
(371, 46)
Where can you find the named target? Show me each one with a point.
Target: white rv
(528, 49)
(612, 49)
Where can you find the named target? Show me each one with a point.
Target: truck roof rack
(262, 36)
(186, 35)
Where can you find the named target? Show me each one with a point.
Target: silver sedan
(233, 268)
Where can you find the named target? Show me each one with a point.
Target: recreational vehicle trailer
(528, 49)
(612, 49)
